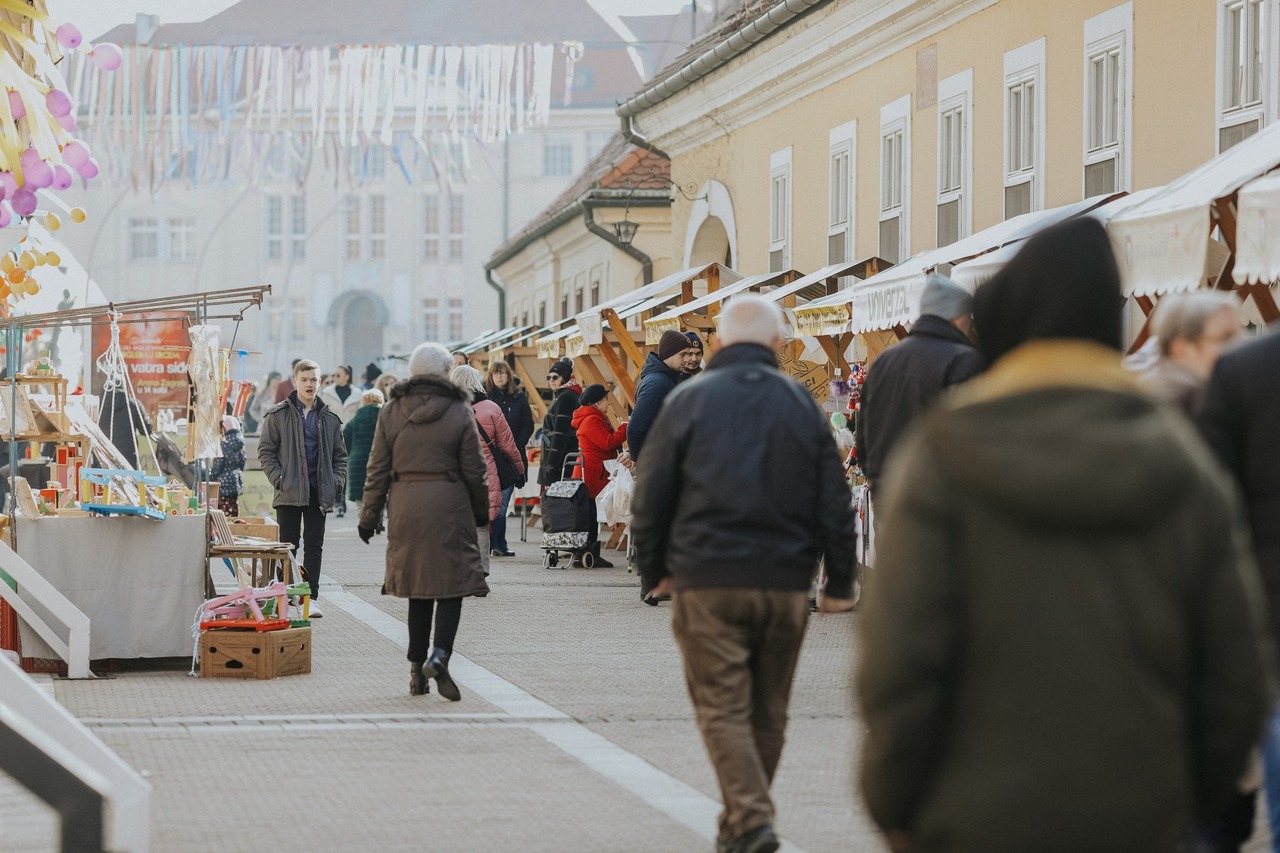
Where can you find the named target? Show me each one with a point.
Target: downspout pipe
(646, 263)
(502, 297)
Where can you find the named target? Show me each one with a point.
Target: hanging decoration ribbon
(223, 113)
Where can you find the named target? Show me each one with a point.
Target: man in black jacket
(662, 371)
(907, 378)
(740, 493)
(1240, 419)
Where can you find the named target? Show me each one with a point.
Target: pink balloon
(16, 106)
(69, 36)
(9, 183)
(62, 177)
(88, 169)
(24, 201)
(29, 158)
(106, 56)
(75, 153)
(39, 175)
(6, 214)
(58, 102)
(67, 121)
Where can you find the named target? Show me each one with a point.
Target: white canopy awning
(591, 321)
(670, 320)
(1258, 231)
(892, 298)
(1162, 244)
(486, 340)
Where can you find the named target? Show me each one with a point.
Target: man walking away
(1064, 650)
(302, 453)
(739, 495)
(908, 377)
(1241, 420)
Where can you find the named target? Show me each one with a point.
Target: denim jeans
(498, 528)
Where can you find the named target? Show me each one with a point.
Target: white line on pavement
(679, 801)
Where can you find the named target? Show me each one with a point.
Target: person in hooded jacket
(427, 470)
(558, 436)
(495, 437)
(1065, 648)
(663, 370)
(503, 388)
(358, 436)
(597, 441)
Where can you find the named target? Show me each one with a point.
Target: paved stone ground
(575, 732)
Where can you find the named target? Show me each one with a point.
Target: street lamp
(625, 230)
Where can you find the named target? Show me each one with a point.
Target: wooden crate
(259, 527)
(255, 654)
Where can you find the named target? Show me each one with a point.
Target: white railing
(75, 649)
(68, 747)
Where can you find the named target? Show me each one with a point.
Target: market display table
(139, 581)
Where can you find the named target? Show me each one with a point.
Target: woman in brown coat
(426, 458)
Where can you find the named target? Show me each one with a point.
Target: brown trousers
(740, 649)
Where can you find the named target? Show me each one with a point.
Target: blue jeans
(1271, 775)
(498, 528)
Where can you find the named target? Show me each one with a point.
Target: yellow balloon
(27, 261)
(53, 259)
(7, 264)
(33, 287)
(78, 214)
(39, 256)
(52, 222)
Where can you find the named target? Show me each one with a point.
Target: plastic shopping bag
(615, 498)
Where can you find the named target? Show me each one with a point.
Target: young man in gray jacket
(302, 453)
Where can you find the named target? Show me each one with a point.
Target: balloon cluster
(44, 117)
(16, 271)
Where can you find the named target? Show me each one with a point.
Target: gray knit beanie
(944, 298)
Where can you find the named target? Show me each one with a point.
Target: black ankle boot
(600, 562)
(437, 667)
(419, 684)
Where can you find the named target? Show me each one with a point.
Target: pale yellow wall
(1173, 124)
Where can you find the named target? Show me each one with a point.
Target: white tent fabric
(670, 320)
(1162, 245)
(1258, 231)
(592, 324)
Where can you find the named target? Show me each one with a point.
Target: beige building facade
(887, 127)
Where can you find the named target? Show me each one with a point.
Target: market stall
(1211, 226)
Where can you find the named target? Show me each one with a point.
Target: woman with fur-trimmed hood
(426, 459)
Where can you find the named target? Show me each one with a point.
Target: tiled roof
(619, 166)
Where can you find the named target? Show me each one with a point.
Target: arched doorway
(363, 321)
(711, 244)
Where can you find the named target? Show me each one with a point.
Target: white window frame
(842, 143)
(955, 94)
(895, 118)
(555, 162)
(298, 227)
(1106, 33)
(1263, 110)
(274, 227)
(1026, 65)
(352, 229)
(780, 205)
(457, 225)
(180, 250)
(457, 318)
(377, 225)
(431, 235)
(431, 318)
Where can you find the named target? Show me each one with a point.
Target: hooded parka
(426, 468)
(597, 441)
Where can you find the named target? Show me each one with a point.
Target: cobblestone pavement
(575, 732)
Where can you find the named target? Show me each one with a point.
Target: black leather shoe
(419, 685)
(759, 840)
(497, 552)
(437, 667)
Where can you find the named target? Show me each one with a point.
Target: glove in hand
(366, 533)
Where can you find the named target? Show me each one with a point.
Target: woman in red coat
(597, 441)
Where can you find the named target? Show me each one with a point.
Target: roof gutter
(779, 16)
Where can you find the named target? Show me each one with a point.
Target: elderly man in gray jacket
(303, 455)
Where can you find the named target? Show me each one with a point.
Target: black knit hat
(371, 372)
(1062, 284)
(563, 368)
(671, 343)
(694, 340)
(591, 395)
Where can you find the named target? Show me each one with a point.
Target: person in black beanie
(559, 438)
(1063, 592)
(693, 356)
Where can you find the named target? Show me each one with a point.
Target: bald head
(751, 319)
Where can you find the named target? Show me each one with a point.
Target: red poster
(155, 351)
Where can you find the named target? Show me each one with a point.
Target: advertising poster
(155, 351)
